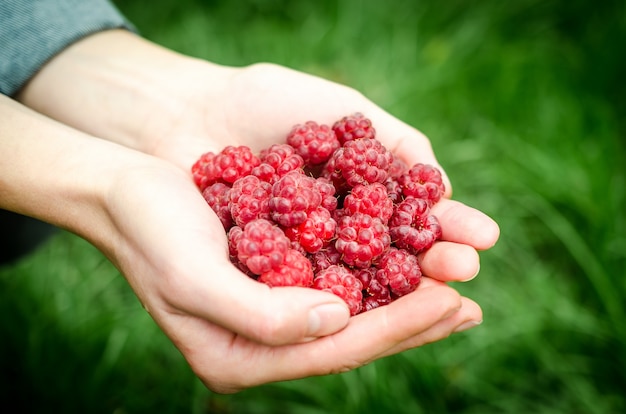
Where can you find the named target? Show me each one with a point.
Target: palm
(258, 105)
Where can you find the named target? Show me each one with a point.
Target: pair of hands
(163, 110)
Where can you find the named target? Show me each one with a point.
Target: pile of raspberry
(330, 208)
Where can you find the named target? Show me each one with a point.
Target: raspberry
(226, 166)
(234, 235)
(324, 258)
(262, 246)
(400, 268)
(361, 239)
(375, 288)
(249, 200)
(315, 232)
(376, 295)
(293, 197)
(353, 127)
(315, 143)
(276, 161)
(394, 190)
(397, 167)
(411, 226)
(371, 199)
(217, 195)
(361, 161)
(327, 191)
(340, 213)
(340, 281)
(296, 270)
(422, 181)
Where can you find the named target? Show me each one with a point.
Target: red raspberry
(315, 232)
(412, 227)
(327, 191)
(315, 143)
(217, 195)
(234, 235)
(296, 270)
(361, 239)
(376, 295)
(276, 161)
(394, 190)
(371, 199)
(340, 213)
(400, 268)
(375, 288)
(294, 196)
(422, 181)
(262, 246)
(340, 281)
(325, 258)
(249, 200)
(361, 161)
(226, 166)
(353, 127)
(397, 167)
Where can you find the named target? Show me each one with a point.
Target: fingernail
(327, 318)
(467, 325)
(475, 274)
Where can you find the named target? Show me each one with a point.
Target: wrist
(59, 175)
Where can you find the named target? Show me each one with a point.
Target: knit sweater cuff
(33, 31)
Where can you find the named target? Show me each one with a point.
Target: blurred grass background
(525, 103)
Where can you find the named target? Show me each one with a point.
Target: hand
(240, 333)
(235, 332)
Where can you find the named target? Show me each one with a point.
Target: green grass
(525, 105)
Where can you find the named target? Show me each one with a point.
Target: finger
(468, 316)
(450, 262)
(271, 316)
(465, 225)
(366, 337)
(229, 363)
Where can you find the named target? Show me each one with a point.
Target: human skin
(114, 168)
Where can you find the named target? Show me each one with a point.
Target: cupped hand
(234, 331)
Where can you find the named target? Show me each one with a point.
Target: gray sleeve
(34, 31)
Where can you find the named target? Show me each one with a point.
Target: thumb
(271, 316)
